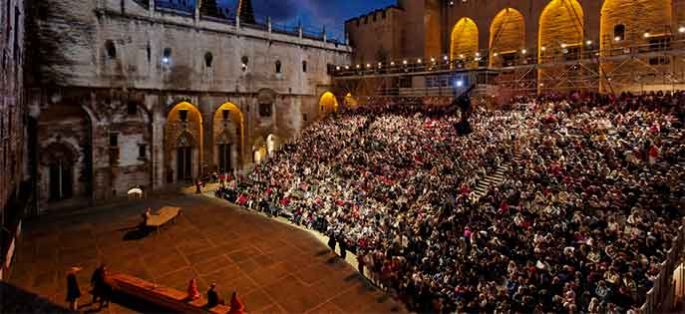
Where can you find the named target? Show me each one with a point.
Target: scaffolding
(638, 67)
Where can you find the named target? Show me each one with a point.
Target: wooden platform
(162, 296)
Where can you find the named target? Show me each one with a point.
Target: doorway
(184, 163)
(225, 157)
(61, 181)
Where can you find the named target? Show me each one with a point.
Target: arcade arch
(560, 38)
(183, 145)
(328, 103)
(228, 134)
(507, 37)
(464, 42)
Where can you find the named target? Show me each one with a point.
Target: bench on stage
(164, 297)
(162, 216)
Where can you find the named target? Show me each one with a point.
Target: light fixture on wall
(681, 29)
(524, 51)
(646, 35)
(588, 42)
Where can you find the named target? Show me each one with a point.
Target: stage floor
(273, 266)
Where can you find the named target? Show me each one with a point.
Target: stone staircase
(494, 179)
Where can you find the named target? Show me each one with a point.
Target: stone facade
(494, 33)
(12, 109)
(130, 94)
(410, 29)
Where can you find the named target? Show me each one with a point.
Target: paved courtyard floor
(273, 266)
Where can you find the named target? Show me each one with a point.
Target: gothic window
(265, 110)
(209, 58)
(278, 66)
(111, 49)
(619, 32)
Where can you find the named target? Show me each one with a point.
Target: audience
(588, 209)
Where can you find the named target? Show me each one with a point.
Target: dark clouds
(314, 13)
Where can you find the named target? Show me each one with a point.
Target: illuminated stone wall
(507, 35)
(464, 42)
(644, 21)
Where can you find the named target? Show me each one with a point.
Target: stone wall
(128, 68)
(12, 105)
(377, 34)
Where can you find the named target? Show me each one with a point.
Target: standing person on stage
(73, 290)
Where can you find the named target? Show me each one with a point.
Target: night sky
(312, 13)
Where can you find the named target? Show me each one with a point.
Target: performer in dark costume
(463, 103)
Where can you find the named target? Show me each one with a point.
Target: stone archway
(60, 158)
(560, 38)
(464, 42)
(507, 37)
(183, 146)
(228, 137)
(328, 103)
(64, 165)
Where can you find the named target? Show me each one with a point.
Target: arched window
(166, 56)
(619, 32)
(111, 49)
(208, 59)
(304, 66)
(278, 66)
(245, 61)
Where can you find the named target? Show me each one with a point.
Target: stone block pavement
(274, 267)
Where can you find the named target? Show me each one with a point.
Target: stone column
(157, 149)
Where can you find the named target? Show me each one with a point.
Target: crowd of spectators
(590, 205)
